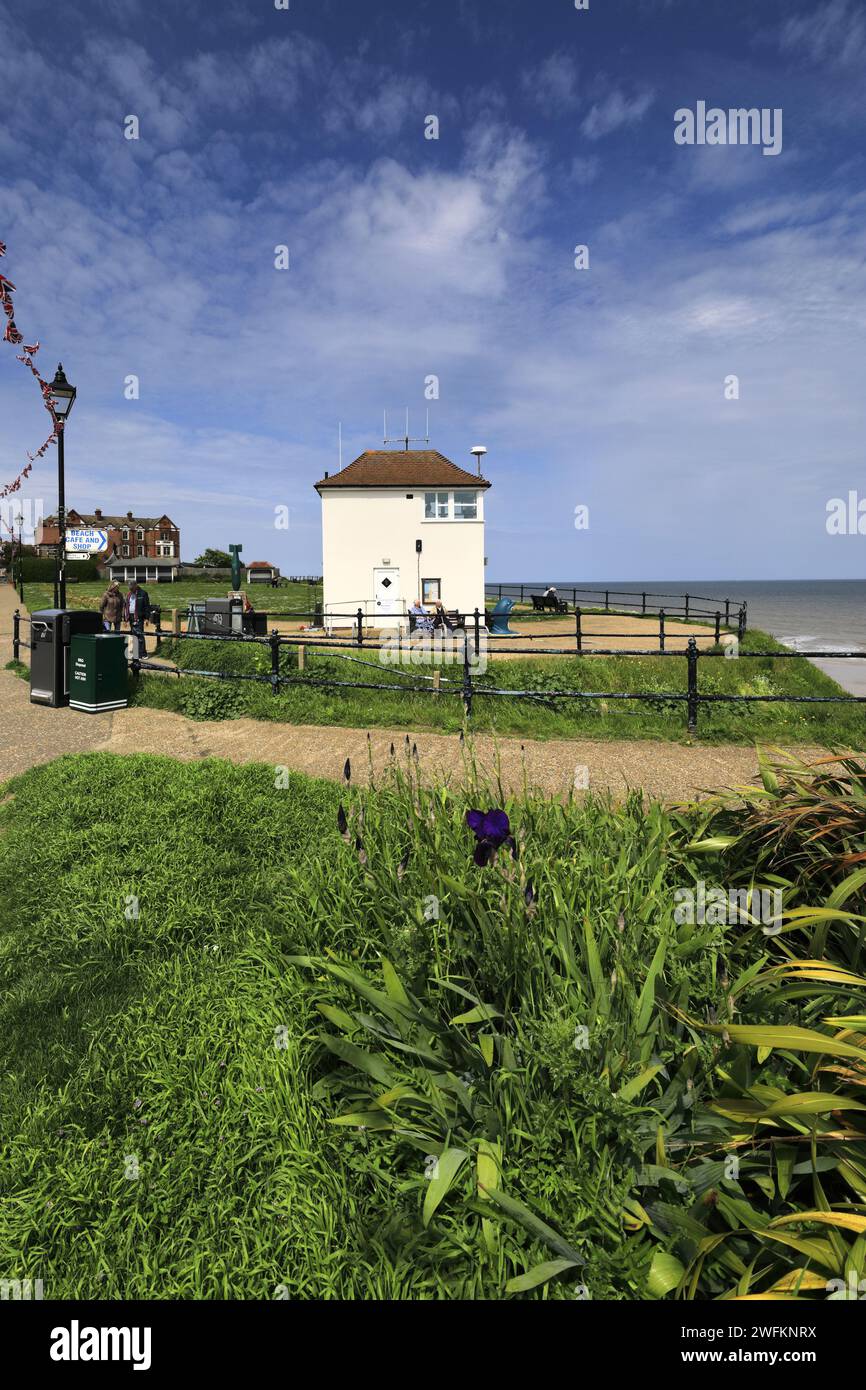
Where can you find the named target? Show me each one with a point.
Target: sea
(809, 615)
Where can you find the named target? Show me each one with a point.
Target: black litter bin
(51, 631)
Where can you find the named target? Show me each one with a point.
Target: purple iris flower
(491, 830)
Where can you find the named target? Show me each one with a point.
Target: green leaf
(393, 985)
(541, 1274)
(796, 1039)
(358, 1058)
(647, 994)
(338, 1017)
(518, 1212)
(636, 1085)
(482, 1014)
(666, 1273)
(449, 1164)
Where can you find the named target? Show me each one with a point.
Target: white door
(386, 592)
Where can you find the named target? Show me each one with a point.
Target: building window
(436, 506)
(141, 550)
(124, 550)
(165, 535)
(431, 590)
(125, 534)
(465, 506)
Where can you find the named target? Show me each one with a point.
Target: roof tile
(402, 468)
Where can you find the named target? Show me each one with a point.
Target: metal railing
(618, 600)
(468, 688)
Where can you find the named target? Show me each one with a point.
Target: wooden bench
(541, 603)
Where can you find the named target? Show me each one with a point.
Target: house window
(125, 534)
(465, 506)
(435, 506)
(165, 535)
(124, 550)
(141, 550)
(431, 590)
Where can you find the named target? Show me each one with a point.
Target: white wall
(362, 528)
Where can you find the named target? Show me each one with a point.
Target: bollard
(360, 622)
(16, 634)
(692, 702)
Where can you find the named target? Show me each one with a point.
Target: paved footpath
(31, 734)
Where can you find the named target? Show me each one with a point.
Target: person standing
(136, 608)
(111, 607)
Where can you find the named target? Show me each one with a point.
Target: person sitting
(420, 620)
(550, 594)
(440, 617)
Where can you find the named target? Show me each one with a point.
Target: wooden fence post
(301, 658)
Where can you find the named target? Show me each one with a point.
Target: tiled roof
(100, 522)
(402, 468)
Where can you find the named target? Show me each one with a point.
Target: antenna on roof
(406, 439)
(479, 451)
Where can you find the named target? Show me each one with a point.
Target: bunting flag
(13, 335)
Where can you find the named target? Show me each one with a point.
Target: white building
(397, 526)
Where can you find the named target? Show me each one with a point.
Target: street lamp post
(63, 396)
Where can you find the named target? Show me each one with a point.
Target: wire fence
(467, 645)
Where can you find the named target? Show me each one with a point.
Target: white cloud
(832, 33)
(614, 111)
(552, 85)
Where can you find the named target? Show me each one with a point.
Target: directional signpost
(82, 541)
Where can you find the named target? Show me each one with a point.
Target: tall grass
(350, 1063)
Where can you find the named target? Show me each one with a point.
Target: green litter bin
(97, 672)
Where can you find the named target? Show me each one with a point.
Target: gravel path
(31, 734)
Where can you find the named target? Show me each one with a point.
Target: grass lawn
(293, 598)
(541, 717)
(256, 1045)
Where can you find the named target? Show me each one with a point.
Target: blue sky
(454, 257)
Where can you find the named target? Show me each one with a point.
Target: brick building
(136, 539)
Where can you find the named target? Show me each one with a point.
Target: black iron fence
(467, 648)
(642, 602)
